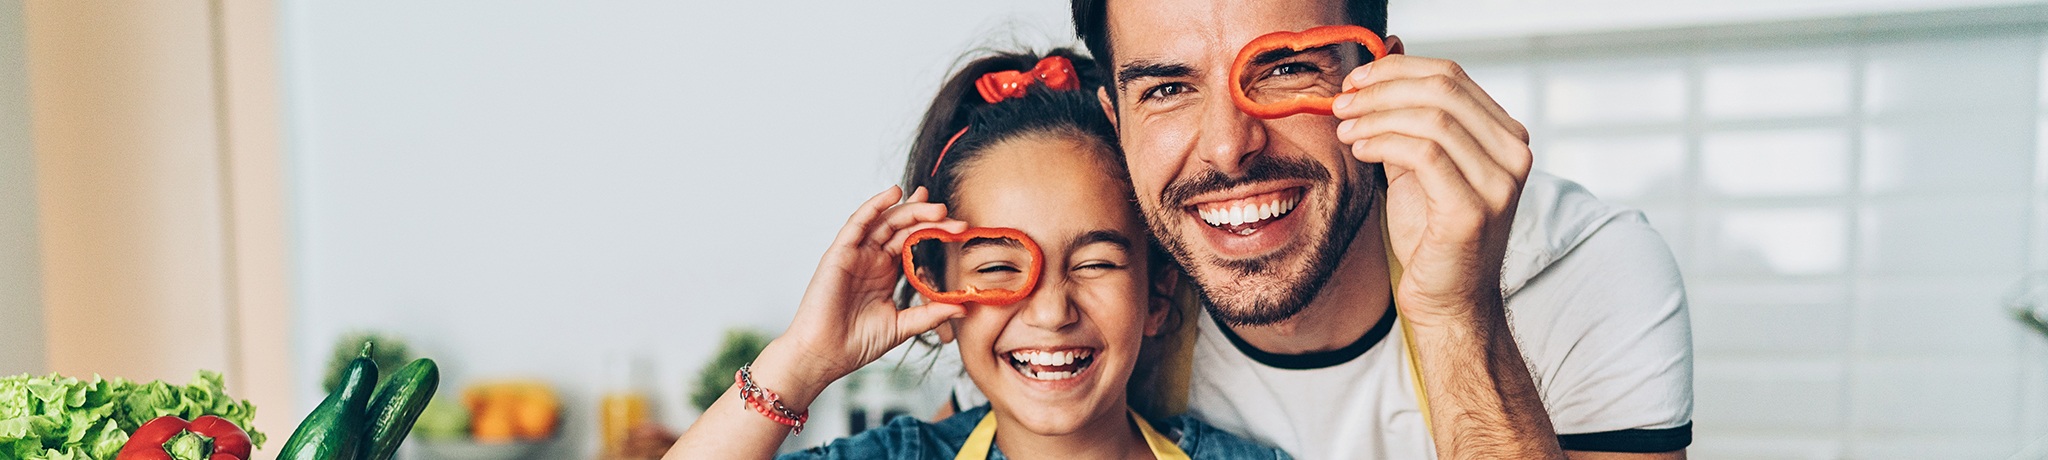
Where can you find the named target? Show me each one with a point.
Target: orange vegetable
(1297, 41)
(986, 296)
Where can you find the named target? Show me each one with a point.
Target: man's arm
(1579, 455)
(1455, 164)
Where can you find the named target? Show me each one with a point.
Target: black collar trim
(1314, 360)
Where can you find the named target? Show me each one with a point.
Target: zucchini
(334, 431)
(397, 405)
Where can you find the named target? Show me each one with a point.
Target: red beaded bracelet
(767, 402)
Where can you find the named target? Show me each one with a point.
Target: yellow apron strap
(984, 437)
(1162, 448)
(1178, 371)
(1407, 332)
(979, 441)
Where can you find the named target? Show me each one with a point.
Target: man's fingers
(1447, 193)
(1501, 136)
(1486, 176)
(1403, 66)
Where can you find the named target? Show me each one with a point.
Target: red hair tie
(1055, 72)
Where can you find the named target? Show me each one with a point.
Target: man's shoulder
(1555, 217)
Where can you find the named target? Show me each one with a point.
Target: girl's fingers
(857, 224)
(895, 244)
(903, 216)
(919, 319)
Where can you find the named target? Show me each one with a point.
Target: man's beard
(1287, 295)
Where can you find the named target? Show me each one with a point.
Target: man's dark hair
(1091, 23)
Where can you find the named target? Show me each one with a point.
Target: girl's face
(1061, 357)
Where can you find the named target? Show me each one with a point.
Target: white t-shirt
(1595, 302)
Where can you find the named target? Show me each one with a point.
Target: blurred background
(589, 197)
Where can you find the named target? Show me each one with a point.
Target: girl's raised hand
(848, 316)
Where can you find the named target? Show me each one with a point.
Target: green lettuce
(55, 417)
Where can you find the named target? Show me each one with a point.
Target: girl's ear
(1394, 45)
(1161, 305)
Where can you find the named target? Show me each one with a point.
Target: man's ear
(1394, 45)
(1108, 109)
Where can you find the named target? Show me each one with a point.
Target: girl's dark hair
(1040, 111)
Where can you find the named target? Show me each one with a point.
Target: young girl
(1012, 141)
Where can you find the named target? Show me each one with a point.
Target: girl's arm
(846, 320)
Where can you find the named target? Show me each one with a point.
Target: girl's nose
(1049, 308)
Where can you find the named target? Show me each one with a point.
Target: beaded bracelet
(767, 402)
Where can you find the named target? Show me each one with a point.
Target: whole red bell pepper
(147, 442)
(1297, 41)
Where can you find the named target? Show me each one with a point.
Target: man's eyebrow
(1135, 70)
(1101, 236)
(1269, 57)
(973, 243)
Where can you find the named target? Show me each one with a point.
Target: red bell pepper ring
(147, 443)
(982, 296)
(1297, 41)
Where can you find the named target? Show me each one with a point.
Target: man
(1546, 324)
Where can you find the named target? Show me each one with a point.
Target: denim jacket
(907, 438)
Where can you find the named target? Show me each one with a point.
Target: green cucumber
(334, 431)
(397, 405)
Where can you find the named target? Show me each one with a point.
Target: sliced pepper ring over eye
(1296, 41)
(1010, 291)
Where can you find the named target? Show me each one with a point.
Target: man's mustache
(1261, 168)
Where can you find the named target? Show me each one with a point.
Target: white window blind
(1848, 208)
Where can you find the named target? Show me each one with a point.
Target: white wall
(518, 188)
(1459, 20)
(1848, 208)
(21, 306)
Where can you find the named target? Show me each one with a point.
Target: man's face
(1258, 211)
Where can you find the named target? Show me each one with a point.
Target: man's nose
(1049, 307)
(1228, 138)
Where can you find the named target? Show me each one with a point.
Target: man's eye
(1292, 68)
(1166, 90)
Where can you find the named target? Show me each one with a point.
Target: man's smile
(1244, 216)
(1248, 221)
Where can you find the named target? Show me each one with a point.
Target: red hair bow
(1055, 71)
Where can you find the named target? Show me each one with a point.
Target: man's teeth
(1247, 214)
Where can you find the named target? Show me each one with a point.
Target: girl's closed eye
(1000, 267)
